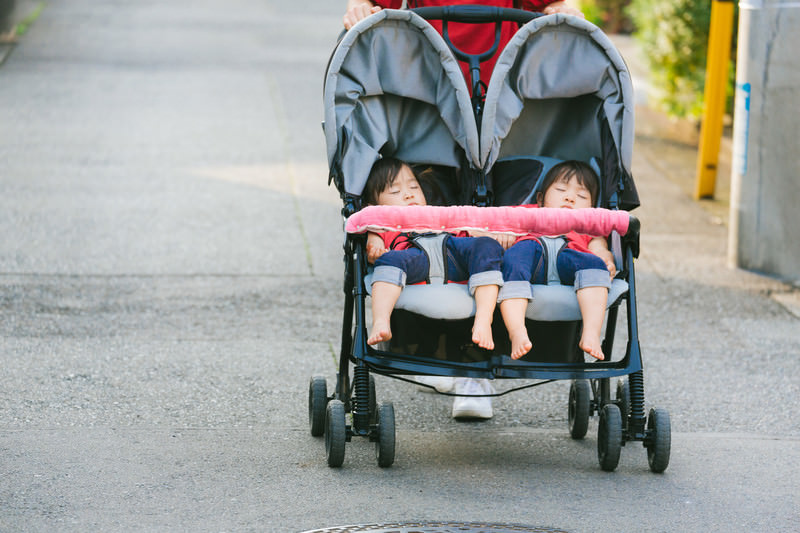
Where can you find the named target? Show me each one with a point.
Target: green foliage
(674, 38)
(609, 15)
(23, 26)
(592, 12)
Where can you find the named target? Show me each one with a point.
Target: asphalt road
(170, 277)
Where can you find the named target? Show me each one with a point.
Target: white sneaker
(472, 405)
(440, 383)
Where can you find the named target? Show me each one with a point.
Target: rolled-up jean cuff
(489, 277)
(515, 289)
(594, 277)
(389, 274)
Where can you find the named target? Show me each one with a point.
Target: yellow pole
(719, 48)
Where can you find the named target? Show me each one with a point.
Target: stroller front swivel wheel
(658, 440)
(609, 437)
(384, 443)
(580, 393)
(317, 400)
(335, 433)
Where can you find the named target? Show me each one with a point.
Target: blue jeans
(474, 259)
(525, 263)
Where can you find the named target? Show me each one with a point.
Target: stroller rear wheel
(609, 437)
(580, 399)
(384, 444)
(659, 440)
(317, 400)
(335, 433)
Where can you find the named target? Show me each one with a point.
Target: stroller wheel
(658, 440)
(624, 400)
(384, 445)
(609, 437)
(317, 400)
(335, 433)
(580, 393)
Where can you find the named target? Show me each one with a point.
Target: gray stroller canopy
(558, 78)
(559, 89)
(394, 88)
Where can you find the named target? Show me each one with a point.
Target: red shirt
(474, 38)
(396, 240)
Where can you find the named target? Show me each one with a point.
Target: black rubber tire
(659, 440)
(335, 433)
(317, 400)
(580, 400)
(385, 444)
(624, 401)
(609, 437)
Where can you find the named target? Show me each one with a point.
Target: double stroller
(559, 91)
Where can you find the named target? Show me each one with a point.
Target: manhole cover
(438, 527)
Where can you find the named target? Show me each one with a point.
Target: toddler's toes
(593, 348)
(380, 333)
(483, 338)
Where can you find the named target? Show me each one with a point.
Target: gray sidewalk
(171, 276)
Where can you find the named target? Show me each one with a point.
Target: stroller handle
(476, 14)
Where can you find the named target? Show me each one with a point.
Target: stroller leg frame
(359, 404)
(369, 419)
(361, 401)
(636, 418)
(342, 379)
(624, 419)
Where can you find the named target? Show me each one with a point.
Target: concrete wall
(765, 182)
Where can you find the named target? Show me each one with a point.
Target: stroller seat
(452, 301)
(551, 303)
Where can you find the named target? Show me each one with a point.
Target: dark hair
(382, 175)
(566, 170)
(429, 179)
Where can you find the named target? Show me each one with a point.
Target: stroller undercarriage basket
(559, 90)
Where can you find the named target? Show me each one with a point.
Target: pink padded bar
(516, 220)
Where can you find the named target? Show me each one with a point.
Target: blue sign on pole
(741, 133)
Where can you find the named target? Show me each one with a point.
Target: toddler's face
(404, 190)
(570, 194)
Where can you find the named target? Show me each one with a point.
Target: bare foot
(380, 332)
(592, 345)
(482, 336)
(520, 343)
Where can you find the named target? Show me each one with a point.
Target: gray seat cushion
(453, 301)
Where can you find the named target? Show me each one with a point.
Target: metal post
(765, 189)
(718, 58)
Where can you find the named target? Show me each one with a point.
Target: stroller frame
(622, 418)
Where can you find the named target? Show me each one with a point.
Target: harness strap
(433, 245)
(551, 247)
